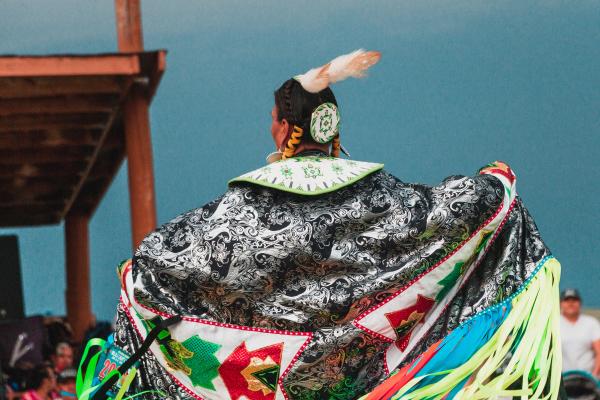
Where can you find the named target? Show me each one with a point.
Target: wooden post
(79, 305)
(137, 128)
(139, 163)
(129, 25)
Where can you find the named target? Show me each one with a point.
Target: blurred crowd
(52, 375)
(42, 367)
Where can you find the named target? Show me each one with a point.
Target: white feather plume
(314, 80)
(354, 64)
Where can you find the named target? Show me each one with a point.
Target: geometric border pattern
(229, 337)
(430, 283)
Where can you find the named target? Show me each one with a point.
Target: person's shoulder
(29, 395)
(589, 320)
(565, 324)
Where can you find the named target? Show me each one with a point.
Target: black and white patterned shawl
(260, 257)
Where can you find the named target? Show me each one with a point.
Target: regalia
(318, 277)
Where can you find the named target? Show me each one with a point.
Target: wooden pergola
(66, 124)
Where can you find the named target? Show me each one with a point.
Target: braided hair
(336, 146)
(296, 105)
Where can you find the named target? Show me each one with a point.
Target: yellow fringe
(528, 365)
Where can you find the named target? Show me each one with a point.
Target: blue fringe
(464, 341)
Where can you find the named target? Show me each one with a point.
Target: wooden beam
(33, 184)
(103, 172)
(43, 155)
(54, 204)
(20, 181)
(29, 122)
(40, 138)
(90, 195)
(11, 88)
(78, 298)
(153, 66)
(17, 220)
(55, 195)
(30, 209)
(93, 158)
(60, 104)
(129, 25)
(26, 169)
(30, 143)
(115, 64)
(24, 191)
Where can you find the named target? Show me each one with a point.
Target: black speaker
(11, 288)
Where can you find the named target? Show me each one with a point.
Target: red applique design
(253, 374)
(498, 167)
(405, 321)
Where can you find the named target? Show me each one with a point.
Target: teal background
(461, 83)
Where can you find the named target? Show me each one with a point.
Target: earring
(274, 156)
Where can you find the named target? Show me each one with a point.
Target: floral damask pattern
(270, 259)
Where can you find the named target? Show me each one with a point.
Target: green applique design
(483, 241)
(324, 123)
(310, 171)
(268, 377)
(195, 357)
(175, 353)
(203, 364)
(450, 280)
(286, 172)
(310, 175)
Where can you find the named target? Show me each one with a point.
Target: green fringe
(526, 348)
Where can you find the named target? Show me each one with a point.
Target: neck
(312, 146)
(572, 317)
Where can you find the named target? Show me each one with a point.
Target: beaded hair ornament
(325, 119)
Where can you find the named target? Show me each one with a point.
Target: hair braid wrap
(335, 146)
(293, 142)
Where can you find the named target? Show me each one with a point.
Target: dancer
(321, 277)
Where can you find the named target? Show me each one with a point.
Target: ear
(285, 132)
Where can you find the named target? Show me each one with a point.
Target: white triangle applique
(407, 315)
(216, 361)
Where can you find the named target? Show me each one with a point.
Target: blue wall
(460, 84)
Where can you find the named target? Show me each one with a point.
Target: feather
(354, 64)
(315, 80)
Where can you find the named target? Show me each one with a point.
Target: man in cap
(580, 335)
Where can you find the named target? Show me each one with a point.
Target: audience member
(66, 384)
(62, 358)
(580, 335)
(42, 384)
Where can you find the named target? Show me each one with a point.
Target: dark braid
(287, 96)
(296, 105)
